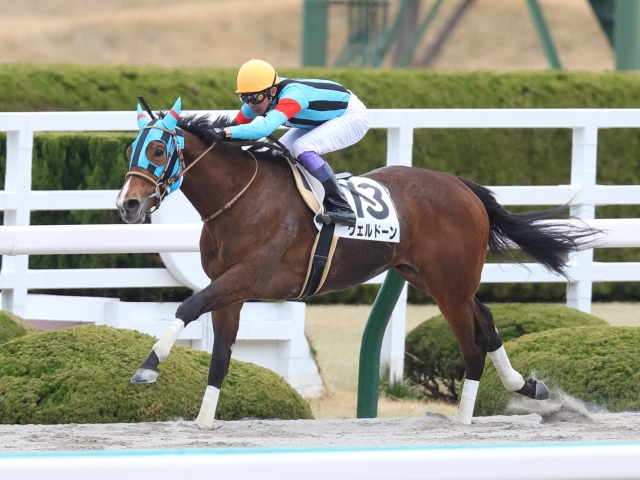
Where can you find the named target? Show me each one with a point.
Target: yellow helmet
(256, 76)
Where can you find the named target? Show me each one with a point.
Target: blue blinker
(139, 147)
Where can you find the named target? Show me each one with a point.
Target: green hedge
(486, 156)
(433, 359)
(597, 365)
(81, 375)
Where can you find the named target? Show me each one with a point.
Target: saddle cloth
(376, 216)
(377, 220)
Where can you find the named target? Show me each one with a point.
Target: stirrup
(328, 220)
(324, 218)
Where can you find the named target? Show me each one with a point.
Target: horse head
(156, 165)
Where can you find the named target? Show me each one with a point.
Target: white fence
(18, 199)
(530, 462)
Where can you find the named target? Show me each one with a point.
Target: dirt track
(564, 423)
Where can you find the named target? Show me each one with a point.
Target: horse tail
(536, 233)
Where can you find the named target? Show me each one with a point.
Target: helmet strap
(270, 97)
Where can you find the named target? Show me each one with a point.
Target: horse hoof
(144, 375)
(463, 419)
(542, 392)
(203, 426)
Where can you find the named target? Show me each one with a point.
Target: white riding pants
(336, 134)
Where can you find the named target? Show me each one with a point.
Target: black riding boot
(337, 209)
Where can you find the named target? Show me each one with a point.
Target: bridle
(163, 184)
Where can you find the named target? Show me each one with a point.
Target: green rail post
(543, 33)
(314, 33)
(369, 371)
(383, 44)
(605, 11)
(626, 34)
(417, 35)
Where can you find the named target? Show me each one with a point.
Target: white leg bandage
(511, 378)
(163, 346)
(467, 401)
(208, 408)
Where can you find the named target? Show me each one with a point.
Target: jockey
(323, 117)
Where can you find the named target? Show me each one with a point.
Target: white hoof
(206, 424)
(461, 419)
(203, 425)
(144, 375)
(207, 414)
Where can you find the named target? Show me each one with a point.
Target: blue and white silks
(299, 103)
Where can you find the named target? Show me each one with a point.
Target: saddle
(326, 240)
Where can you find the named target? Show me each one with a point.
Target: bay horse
(258, 234)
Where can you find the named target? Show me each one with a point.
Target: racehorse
(258, 235)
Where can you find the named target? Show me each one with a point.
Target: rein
(276, 145)
(162, 187)
(227, 205)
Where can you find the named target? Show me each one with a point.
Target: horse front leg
(225, 328)
(233, 286)
(148, 371)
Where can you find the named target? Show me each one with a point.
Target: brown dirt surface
(431, 429)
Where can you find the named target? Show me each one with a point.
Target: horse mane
(198, 124)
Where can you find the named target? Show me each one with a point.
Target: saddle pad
(376, 216)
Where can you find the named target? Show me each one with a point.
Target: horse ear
(171, 119)
(142, 118)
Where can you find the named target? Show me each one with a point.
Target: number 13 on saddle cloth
(376, 220)
(376, 216)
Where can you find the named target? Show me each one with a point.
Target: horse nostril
(131, 205)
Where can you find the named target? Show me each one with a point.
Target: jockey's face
(262, 107)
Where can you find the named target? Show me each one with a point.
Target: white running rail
(525, 462)
(18, 199)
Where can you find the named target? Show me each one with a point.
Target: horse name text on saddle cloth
(376, 216)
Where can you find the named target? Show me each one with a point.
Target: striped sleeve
(240, 119)
(260, 127)
(289, 107)
(245, 115)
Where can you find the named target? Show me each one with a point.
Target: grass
(398, 390)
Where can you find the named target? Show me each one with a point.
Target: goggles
(254, 98)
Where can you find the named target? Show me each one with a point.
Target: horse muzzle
(133, 210)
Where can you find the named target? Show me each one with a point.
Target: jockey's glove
(213, 135)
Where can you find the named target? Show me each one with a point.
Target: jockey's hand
(213, 135)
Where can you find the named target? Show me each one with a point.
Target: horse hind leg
(511, 378)
(474, 343)
(148, 371)
(455, 300)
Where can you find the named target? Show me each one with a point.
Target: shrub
(433, 358)
(598, 365)
(81, 375)
(12, 326)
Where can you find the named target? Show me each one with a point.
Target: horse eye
(159, 152)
